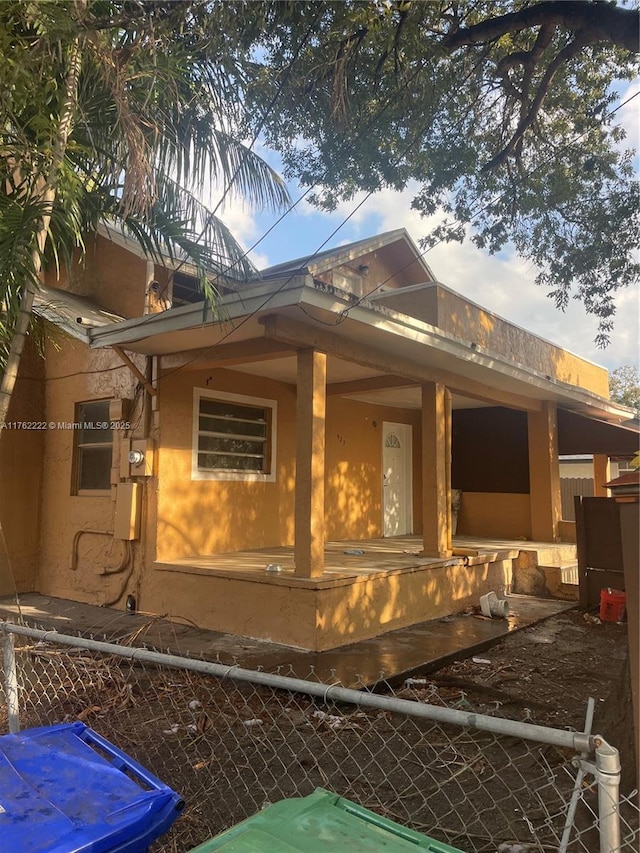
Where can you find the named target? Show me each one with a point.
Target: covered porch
(367, 587)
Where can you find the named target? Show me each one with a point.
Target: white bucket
(494, 607)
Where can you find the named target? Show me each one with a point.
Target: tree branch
(529, 117)
(599, 21)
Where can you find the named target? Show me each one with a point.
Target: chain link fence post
(11, 681)
(608, 780)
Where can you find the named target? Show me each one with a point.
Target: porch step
(561, 554)
(547, 581)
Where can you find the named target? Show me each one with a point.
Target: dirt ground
(552, 668)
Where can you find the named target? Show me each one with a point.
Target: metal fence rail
(231, 740)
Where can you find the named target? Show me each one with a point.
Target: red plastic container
(613, 605)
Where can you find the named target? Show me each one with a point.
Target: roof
(630, 478)
(75, 314)
(329, 258)
(413, 344)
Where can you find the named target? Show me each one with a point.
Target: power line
(309, 258)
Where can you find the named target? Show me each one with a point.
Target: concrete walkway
(391, 657)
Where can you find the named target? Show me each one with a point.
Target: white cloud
(629, 115)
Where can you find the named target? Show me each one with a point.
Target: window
(93, 448)
(234, 437)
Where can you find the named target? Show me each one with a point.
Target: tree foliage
(624, 386)
(502, 111)
(117, 110)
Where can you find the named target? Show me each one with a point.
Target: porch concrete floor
(392, 656)
(355, 557)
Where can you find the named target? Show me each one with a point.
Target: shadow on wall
(214, 517)
(380, 604)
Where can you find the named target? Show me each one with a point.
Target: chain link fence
(231, 741)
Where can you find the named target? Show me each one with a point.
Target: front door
(397, 486)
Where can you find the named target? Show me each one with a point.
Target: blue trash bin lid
(65, 789)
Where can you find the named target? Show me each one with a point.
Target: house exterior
(223, 468)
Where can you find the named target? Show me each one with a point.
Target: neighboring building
(583, 475)
(580, 467)
(335, 399)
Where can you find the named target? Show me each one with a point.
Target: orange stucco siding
(473, 324)
(21, 454)
(495, 514)
(209, 516)
(353, 491)
(77, 374)
(109, 275)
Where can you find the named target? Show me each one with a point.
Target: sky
(504, 284)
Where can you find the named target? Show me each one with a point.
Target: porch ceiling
(404, 395)
(578, 434)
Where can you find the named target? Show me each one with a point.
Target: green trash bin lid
(320, 823)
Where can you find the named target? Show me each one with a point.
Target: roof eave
(299, 291)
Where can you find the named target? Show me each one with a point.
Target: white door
(397, 487)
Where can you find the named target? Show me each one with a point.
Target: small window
(233, 437)
(93, 448)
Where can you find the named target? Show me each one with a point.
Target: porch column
(436, 470)
(310, 463)
(601, 475)
(544, 473)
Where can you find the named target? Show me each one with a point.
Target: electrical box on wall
(141, 458)
(119, 410)
(128, 505)
(125, 447)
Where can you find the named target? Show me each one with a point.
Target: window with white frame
(233, 437)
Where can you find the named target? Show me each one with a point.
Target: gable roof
(320, 262)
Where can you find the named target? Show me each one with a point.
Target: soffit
(579, 434)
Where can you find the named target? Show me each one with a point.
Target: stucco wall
(452, 313)
(392, 266)
(324, 615)
(353, 490)
(109, 275)
(209, 516)
(371, 606)
(495, 515)
(21, 453)
(421, 303)
(473, 324)
(77, 374)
